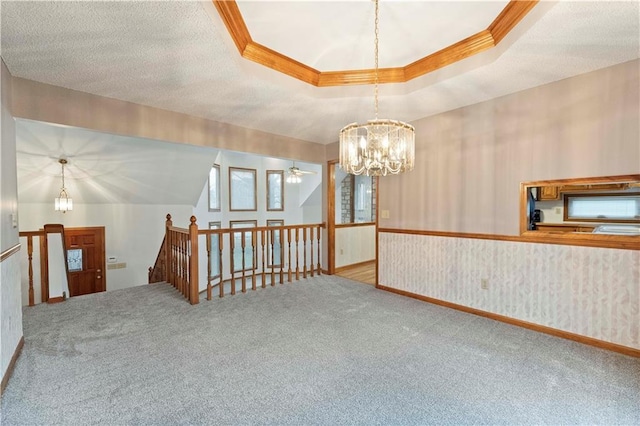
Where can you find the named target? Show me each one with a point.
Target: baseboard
(56, 299)
(11, 366)
(614, 347)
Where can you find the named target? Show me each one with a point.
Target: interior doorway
(352, 220)
(85, 260)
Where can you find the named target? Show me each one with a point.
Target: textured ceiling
(178, 56)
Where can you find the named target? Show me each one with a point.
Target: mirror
(599, 206)
(355, 198)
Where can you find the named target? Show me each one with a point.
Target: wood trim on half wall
(625, 350)
(586, 240)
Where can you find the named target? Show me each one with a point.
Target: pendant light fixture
(63, 202)
(379, 147)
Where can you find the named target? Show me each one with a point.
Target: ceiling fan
(294, 174)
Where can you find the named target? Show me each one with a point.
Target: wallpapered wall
(593, 292)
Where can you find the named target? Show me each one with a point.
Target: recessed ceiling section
(330, 36)
(345, 39)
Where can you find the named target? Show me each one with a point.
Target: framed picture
(215, 251)
(249, 252)
(214, 188)
(275, 190)
(242, 190)
(275, 248)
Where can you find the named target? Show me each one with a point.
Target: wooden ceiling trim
(508, 18)
(232, 18)
(277, 61)
(354, 77)
(456, 52)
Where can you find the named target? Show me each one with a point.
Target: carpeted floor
(325, 350)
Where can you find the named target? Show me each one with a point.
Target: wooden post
(167, 250)
(194, 293)
(30, 254)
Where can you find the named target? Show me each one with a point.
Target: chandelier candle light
(380, 147)
(63, 202)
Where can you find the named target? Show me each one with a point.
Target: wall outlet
(484, 284)
(558, 210)
(384, 214)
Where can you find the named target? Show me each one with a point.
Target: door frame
(331, 219)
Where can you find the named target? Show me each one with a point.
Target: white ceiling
(177, 55)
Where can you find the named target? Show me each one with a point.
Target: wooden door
(85, 259)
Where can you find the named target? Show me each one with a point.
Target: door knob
(98, 277)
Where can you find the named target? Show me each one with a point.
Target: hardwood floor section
(364, 273)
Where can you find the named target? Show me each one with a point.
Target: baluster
(289, 253)
(208, 266)
(232, 244)
(185, 283)
(319, 266)
(244, 284)
(304, 248)
(253, 256)
(264, 269)
(182, 274)
(220, 240)
(30, 254)
(271, 258)
(311, 245)
(297, 254)
(280, 235)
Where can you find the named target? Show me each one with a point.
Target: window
(275, 190)
(214, 188)
(610, 207)
(275, 250)
(74, 260)
(242, 189)
(214, 254)
(249, 257)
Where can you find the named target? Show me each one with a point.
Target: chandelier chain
(377, 32)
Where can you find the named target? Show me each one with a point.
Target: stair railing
(237, 258)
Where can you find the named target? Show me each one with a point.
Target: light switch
(385, 214)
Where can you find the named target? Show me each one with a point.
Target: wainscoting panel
(594, 292)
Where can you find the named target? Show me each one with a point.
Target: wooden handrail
(273, 251)
(264, 254)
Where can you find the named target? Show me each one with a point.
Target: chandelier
(379, 147)
(63, 202)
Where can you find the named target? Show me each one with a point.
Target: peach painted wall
(470, 161)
